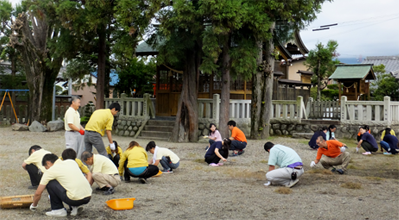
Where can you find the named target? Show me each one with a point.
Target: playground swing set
(7, 91)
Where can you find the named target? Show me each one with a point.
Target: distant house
(391, 63)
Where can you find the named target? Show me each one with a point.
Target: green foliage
(137, 75)
(84, 119)
(385, 85)
(379, 68)
(322, 63)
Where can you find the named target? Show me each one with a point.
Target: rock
(20, 127)
(314, 128)
(271, 131)
(201, 126)
(283, 127)
(132, 133)
(134, 123)
(299, 128)
(292, 132)
(123, 123)
(276, 126)
(344, 129)
(135, 128)
(116, 131)
(139, 123)
(55, 125)
(126, 133)
(120, 133)
(120, 127)
(375, 131)
(205, 131)
(278, 132)
(128, 123)
(36, 127)
(119, 122)
(290, 127)
(285, 132)
(130, 128)
(306, 127)
(302, 135)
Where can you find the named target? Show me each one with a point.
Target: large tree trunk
(318, 82)
(100, 85)
(224, 115)
(32, 44)
(186, 124)
(262, 92)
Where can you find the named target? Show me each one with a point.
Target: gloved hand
(33, 208)
(357, 150)
(312, 164)
(343, 149)
(82, 132)
(112, 146)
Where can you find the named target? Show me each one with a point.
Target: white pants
(282, 176)
(75, 141)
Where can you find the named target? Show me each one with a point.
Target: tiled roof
(391, 63)
(353, 71)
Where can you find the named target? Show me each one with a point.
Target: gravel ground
(233, 191)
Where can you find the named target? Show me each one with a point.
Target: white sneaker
(292, 183)
(268, 183)
(57, 213)
(76, 210)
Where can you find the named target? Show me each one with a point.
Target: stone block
(139, 123)
(271, 131)
(132, 133)
(205, 131)
(119, 122)
(36, 127)
(299, 128)
(20, 127)
(302, 135)
(130, 128)
(285, 132)
(290, 127)
(55, 125)
(135, 128)
(306, 127)
(278, 132)
(128, 123)
(283, 127)
(276, 126)
(126, 133)
(121, 133)
(201, 126)
(314, 128)
(134, 123)
(375, 131)
(120, 126)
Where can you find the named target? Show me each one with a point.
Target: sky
(365, 27)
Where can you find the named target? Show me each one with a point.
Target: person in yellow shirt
(33, 164)
(70, 154)
(104, 172)
(114, 153)
(100, 122)
(134, 161)
(65, 184)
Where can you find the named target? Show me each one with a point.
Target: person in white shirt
(33, 164)
(166, 157)
(73, 130)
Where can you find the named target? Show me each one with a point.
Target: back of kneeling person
(65, 183)
(216, 152)
(289, 162)
(134, 162)
(104, 172)
(166, 157)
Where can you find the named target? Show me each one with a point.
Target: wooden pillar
(245, 90)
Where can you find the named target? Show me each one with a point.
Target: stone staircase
(159, 128)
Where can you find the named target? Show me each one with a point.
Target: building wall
(292, 70)
(87, 93)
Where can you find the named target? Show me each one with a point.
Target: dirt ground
(233, 191)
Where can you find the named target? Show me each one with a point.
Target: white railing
(288, 110)
(370, 112)
(136, 107)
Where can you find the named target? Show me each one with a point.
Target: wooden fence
(323, 109)
(134, 107)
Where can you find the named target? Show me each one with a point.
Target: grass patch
(283, 190)
(353, 167)
(304, 142)
(263, 161)
(320, 171)
(199, 160)
(374, 178)
(243, 174)
(351, 185)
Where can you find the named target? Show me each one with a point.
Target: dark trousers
(238, 145)
(58, 195)
(35, 174)
(149, 172)
(368, 147)
(115, 159)
(212, 159)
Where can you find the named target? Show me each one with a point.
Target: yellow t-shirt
(137, 157)
(102, 164)
(71, 117)
(36, 159)
(110, 152)
(165, 152)
(82, 167)
(100, 121)
(68, 174)
(383, 134)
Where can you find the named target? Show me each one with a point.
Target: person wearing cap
(389, 142)
(290, 166)
(100, 122)
(73, 130)
(238, 139)
(334, 155)
(70, 154)
(104, 172)
(33, 164)
(114, 153)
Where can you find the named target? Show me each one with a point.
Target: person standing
(334, 153)
(65, 184)
(73, 130)
(238, 139)
(289, 163)
(100, 122)
(367, 142)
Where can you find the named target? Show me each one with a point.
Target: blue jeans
(167, 164)
(238, 145)
(388, 148)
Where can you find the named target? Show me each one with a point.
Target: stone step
(161, 134)
(158, 128)
(302, 135)
(161, 123)
(153, 138)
